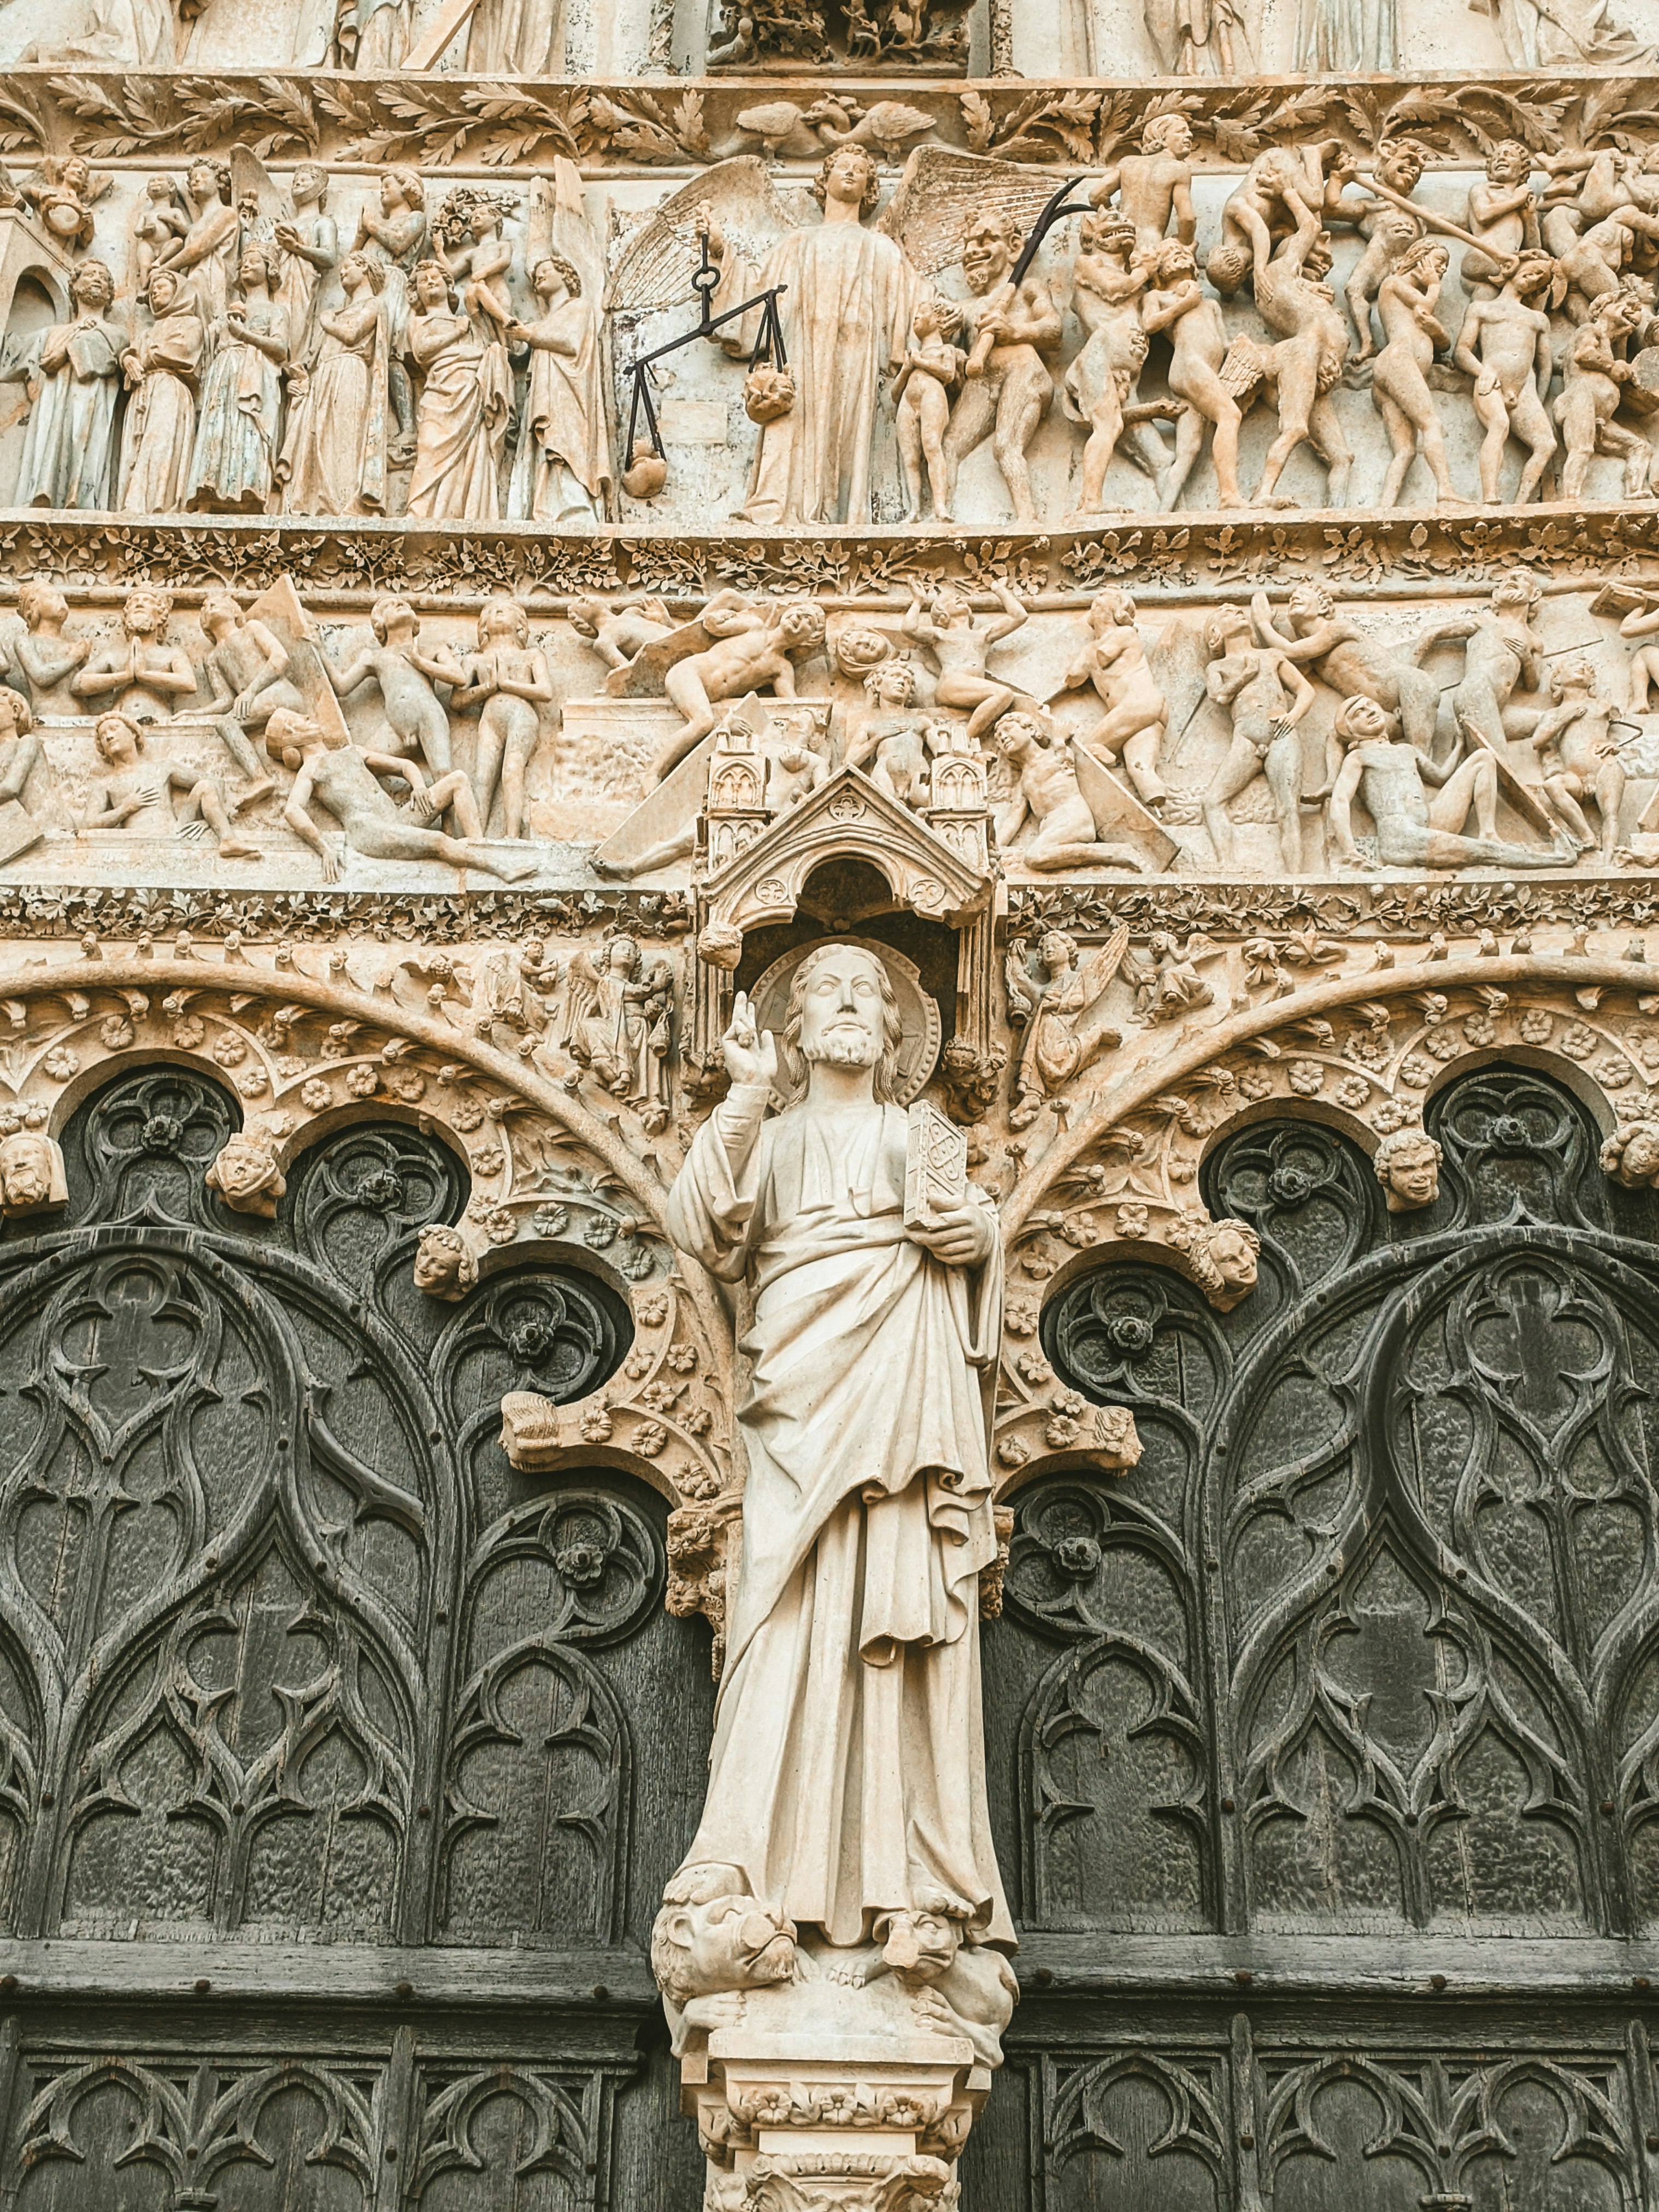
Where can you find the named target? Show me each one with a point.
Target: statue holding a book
(846, 1789)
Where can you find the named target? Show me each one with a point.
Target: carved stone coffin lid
(849, 816)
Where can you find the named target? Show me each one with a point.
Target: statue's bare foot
(237, 848)
(253, 794)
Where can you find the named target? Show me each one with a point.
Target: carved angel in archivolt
(621, 1023)
(61, 194)
(1059, 998)
(1167, 983)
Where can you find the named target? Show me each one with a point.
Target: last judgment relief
(829, 1105)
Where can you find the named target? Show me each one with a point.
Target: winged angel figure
(1058, 998)
(847, 293)
(619, 1023)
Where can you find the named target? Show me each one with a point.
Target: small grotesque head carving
(1109, 232)
(1408, 1168)
(31, 1174)
(801, 623)
(720, 944)
(988, 251)
(444, 1268)
(247, 1176)
(921, 1945)
(1630, 1155)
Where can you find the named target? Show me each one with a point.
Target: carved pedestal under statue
(836, 2092)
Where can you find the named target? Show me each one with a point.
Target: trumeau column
(825, 644)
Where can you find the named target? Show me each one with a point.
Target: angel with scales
(846, 292)
(847, 299)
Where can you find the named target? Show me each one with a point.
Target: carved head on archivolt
(31, 1166)
(1223, 1255)
(1630, 1155)
(1407, 1165)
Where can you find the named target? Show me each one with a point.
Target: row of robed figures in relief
(1308, 333)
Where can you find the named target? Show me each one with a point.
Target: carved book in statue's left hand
(935, 1166)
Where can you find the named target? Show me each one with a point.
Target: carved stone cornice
(1193, 555)
(47, 910)
(1366, 912)
(629, 126)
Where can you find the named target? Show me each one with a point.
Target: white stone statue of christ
(848, 1776)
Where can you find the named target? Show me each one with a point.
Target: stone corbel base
(860, 2133)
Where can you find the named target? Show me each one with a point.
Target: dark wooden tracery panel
(302, 1691)
(1343, 1706)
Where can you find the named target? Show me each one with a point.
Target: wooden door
(340, 1767)
(1325, 1743)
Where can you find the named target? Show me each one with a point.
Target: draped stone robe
(847, 1775)
(846, 312)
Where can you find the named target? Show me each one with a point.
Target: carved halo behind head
(901, 1073)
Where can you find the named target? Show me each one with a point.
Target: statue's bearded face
(843, 1021)
(986, 260)
(25, 1174)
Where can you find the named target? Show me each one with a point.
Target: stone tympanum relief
(1270, 735)
(1341, 325)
